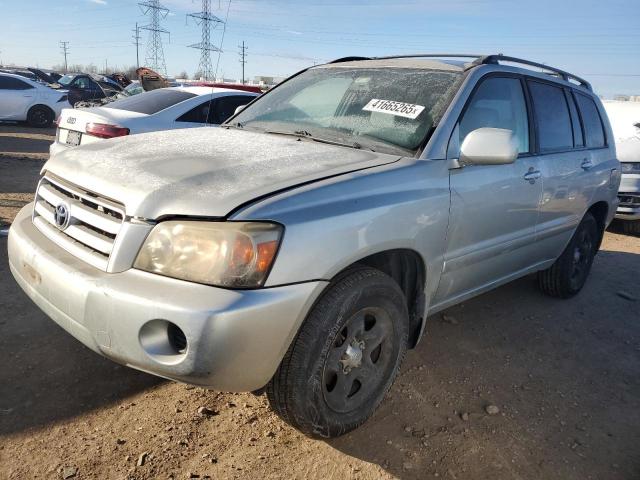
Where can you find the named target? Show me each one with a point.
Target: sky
(598, 40)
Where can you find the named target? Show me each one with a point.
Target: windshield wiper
(304, 134)
(237, 125)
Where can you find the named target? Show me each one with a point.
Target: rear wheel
(345, 356)
(566, 277)
(40, 116)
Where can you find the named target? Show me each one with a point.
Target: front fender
(332, 224)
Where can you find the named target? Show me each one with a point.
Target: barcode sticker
(400, 109)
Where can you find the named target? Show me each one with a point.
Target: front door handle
(586, 164)
(532, 175)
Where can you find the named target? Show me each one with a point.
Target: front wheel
(566, 277)
(345, 356)
(40, 116)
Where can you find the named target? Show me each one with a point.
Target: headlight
(226, 254)
(630, 167)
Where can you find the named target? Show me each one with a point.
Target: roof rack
(416, 55)
(496, 59)
(493, 59)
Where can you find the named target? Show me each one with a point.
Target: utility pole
(106, 69)
(243, 57)
(205, 19)
(155, 53)
(65, 51)
(136, 42)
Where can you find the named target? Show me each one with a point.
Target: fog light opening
(163, 341)
(177, 338)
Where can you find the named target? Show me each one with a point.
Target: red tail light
(103, 130)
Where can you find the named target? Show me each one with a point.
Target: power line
(65, 51)
(224, 30)
(205, 19)
(243, 57)
(155, 53)
(136, 42)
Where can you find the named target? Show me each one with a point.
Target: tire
(631, 227)
(40, 116)
(345, 356)
(566, 277)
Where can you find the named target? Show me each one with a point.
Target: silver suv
(301, 248)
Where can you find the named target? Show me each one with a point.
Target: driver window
(81, 82)
(497, 103)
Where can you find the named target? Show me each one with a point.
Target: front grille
(630, 201)
(93, 222)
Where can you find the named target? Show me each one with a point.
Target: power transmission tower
(136, 42)
(243, 57)
(205, 19)
(155, 53)
(65, 51)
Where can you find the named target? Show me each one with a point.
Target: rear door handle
(586, 164)
(532, 175)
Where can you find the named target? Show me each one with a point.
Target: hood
(205, 171)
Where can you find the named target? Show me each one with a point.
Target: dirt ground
(565, 376)
(23, 151)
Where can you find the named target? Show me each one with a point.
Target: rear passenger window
(552, 117)
(578, 138)
(10, 83)
(593, 129)
(498, 103)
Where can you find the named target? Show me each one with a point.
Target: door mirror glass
(489, 146)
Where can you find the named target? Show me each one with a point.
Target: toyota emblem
(61, 216)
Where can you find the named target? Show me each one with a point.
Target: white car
(162, 109)
(22, 99)
(625, 122)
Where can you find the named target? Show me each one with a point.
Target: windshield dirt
(383, 109)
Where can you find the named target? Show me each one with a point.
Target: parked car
(625, 121)
(21, 72)
(85, 87)
(163, 109)
(27, 100)
(300, 248)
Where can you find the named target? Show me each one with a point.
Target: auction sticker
(400, 109)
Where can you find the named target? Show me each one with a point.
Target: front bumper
(629, 195)
(235, 338)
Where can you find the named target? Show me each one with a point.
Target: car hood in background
(205, 171)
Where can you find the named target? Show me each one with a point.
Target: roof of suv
(453, 62)
(427, 64)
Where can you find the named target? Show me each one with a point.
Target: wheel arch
(42, 105)
(600, 211)
(407, 268)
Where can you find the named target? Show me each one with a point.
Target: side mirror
(239, 109)
(489, 146)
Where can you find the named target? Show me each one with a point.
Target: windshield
(66, 79)
(385, 109)
(151, 102)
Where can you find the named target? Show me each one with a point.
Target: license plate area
(73, 138)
